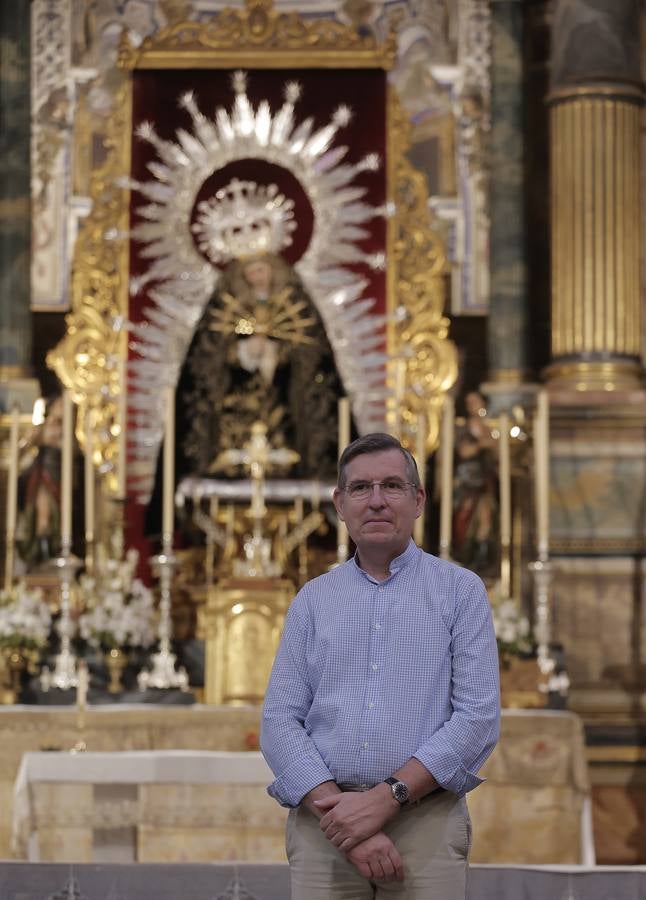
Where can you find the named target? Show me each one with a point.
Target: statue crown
(244, 219)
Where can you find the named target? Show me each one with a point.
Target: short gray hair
(376, 443)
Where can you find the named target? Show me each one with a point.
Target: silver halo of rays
(181, 279)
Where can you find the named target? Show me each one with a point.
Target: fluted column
(595, 160)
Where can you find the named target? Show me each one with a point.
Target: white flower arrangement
(119, 608)
(513, 632)
(25, 618)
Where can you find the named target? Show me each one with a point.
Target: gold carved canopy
(423, 361)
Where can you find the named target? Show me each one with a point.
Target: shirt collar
(399, 562)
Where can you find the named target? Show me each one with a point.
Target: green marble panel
(507, 342)
(15, 218)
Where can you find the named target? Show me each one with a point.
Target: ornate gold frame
(257, 37)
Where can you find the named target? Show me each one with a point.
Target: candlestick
(81, 685)
(64, 674)
(66, 474)
(542, 473)
(12, 497)
(446, 477)
(168, 515)
(122, 417)
(504, 478)
(420, 457)
(89, 492)
(344, 440)
(163, 674)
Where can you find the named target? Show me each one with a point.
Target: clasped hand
(351, 817)
(352, 821)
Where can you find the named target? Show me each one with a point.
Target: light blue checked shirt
(369, 674)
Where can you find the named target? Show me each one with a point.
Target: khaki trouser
(433, 838)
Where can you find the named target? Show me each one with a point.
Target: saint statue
(38, 530)
(475, 494)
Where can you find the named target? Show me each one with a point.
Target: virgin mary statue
(259, 353)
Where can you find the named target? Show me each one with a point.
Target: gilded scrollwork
(419, 333)
(87, 359)
(287, 38)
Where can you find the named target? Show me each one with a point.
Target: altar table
(159, 806)
(196, 806)
(115, 727)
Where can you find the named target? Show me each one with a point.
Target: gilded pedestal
(244, 620)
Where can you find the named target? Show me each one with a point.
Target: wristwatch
(399, 790)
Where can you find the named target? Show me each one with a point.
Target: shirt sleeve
(458, 749)
(290, 752)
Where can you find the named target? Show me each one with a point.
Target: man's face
(378, 521)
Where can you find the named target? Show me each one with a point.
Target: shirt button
(375, 667)
(381, 590)
(365, 745)
(377, 626)
(371, 705)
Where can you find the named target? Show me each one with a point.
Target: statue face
(258, 274)
(474, 402)
(53, 426)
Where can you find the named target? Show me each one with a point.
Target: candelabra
(542, 571)
(64, 674)
(163, 674)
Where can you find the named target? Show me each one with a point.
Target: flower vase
(519, 680)
(115, 662)
(13, 665)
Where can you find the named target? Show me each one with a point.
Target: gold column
(595, 237)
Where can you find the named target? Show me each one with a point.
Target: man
(383, 702)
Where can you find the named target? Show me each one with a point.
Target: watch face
(400, 792)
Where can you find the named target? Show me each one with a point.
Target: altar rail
(271, 882)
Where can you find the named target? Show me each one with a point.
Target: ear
(420, 501)
(337, 498)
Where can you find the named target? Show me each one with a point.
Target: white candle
(89, 483)
(344, 424)
(420, 456)
(168, 516)
(12, 483)
(400, 390)
(66, 473)
(122, 417)
(504, 478)
(12, 495)
(446, 477)
(343, 441)
(542, 472)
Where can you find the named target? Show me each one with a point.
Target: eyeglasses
(392, 488)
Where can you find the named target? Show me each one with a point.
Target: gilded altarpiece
(318, 70)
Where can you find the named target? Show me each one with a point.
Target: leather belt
(360, 788)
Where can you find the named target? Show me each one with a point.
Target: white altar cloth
(159, 767)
